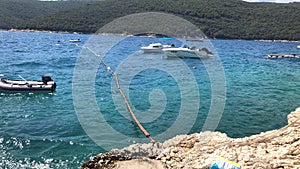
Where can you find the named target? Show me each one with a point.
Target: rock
(273, 149)
(140, 163)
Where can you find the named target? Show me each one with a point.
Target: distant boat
(186, 52)
(298, 46)
(273, 56)
(75, 40)
(46, 85)
(154, 48)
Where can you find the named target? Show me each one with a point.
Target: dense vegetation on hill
(224, 19)
(20, 13)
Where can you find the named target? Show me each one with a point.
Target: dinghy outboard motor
(46, 79)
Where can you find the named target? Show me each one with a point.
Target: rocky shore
(42, 31)
(273, 149)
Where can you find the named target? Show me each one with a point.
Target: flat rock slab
(140, 163)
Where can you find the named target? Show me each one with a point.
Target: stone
(273, 149)
(138, 164)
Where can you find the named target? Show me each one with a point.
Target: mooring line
(122, 94)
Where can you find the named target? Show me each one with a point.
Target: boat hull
(185, 53)
(151, 50)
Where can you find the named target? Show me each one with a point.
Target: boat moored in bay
(191, 49)
(275, 56)
(21, 86)
(154, 48)
(186, 52)
(75, 40)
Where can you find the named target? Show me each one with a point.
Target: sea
(238, 91)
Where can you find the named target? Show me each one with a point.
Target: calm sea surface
(43, 130)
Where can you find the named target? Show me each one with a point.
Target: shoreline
(40, 31)
(108, 34)
(272, 149)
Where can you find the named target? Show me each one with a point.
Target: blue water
(43, 131)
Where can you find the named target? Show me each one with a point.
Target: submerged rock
(273, 149)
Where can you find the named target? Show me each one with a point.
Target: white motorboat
(46, 85)
(186, 52)
(298, 46)
(75, 40)
(154, 48)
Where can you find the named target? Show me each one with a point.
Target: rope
(122, 94)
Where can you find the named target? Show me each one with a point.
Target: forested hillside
(224, 19)
(19, 13)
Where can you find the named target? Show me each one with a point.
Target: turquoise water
(42, 130)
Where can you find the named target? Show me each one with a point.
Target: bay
(43, 130)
